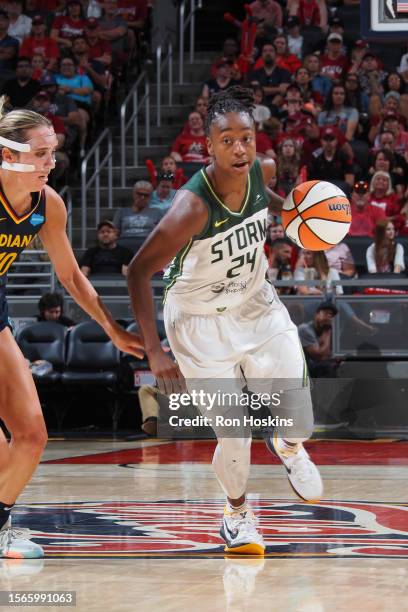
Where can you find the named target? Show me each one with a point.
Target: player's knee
(33, 435)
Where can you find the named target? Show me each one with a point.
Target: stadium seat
(92, 361)
(44, 340)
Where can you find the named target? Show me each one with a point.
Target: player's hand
(167, 373)
(127, 342)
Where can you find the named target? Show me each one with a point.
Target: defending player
(27, 207)
(222, 318)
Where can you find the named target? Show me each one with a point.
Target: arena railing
(31, 275)
(184, 22)
(129, 112)
(66, 195)
(160, 66)
(101, 154)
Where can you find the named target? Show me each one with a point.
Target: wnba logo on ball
(340, 206)
(316, 215)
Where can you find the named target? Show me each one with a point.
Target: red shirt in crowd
(263, 143)
(388, 204)
(68, 28)
(99, 49)
(334, 69)
(132, 10)
(309, 13)
(191, 148)
(45, 46)
(364, 220)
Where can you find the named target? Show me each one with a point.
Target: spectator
(113, 29)
(191, 145)
(100, 50)
(312, 141)
(332, 164)
(316, 339)
(371, 79)
(311, 13)
(164, 193)
(267, 11)
(363, 216)
(8, 48)
(382, 195)
(169, 166)
(51, 307)
(93, 69)
(139, 220)
(356, 98)
(280, 256)
(80, 88)
(337, 114)
(383, 160)
(310, 97)
(65, 108)
(295, 39)
(107, 257)
(394, 82)
(334, 63)
(288, 165)
(319, 83)
(38, 42)
(22, 88)
(273, 80)
(66, 28)
(222, 81)
(386, 141)
(392, 123)
(385, 254)
(285, 59)
(201, 106)
(41, 103)
(313, 265)
(341, 259)
(38, 66)
(20, 25)
(230, 53)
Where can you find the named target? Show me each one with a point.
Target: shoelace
(10, 534)
(249, 517)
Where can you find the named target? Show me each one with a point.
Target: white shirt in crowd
(20, 28)
(398, 258)
(295, 45)
(311, 274)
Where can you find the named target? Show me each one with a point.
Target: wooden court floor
(134, 526)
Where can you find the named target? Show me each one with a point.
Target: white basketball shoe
(302, 473)
(240, 534)
(15, 544)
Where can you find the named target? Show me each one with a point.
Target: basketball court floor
(134, 526)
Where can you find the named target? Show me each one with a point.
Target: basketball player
(222, 318)
(27, 207)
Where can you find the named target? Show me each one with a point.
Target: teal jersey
(224, 265)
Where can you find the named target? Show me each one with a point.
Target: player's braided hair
(235, 99)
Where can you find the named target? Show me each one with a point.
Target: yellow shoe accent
(246, 549)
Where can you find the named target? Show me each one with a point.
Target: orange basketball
(316, 215)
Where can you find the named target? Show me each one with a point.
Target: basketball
(316, 215)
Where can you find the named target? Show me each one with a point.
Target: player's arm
(56, 243)
(269, 171)
(186, 218)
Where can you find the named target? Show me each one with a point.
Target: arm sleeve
(370, 257)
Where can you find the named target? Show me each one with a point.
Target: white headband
(23, 147)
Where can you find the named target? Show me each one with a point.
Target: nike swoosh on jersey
(218, 223)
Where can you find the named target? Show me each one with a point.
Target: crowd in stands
(327, 107)
(66, 59)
